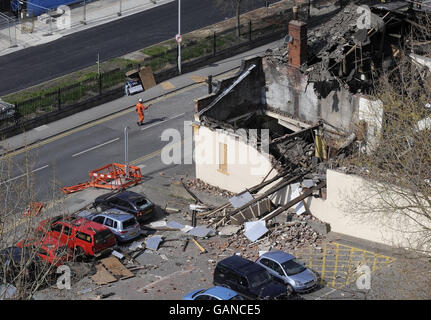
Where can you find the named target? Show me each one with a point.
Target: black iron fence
(195, 53)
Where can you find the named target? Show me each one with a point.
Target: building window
(222, 167)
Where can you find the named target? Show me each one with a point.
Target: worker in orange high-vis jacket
(140, 107)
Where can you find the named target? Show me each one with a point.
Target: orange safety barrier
(33, 209)
(112, 176)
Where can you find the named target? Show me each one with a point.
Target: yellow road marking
(337, 263)
(197, 78)
(167, 85)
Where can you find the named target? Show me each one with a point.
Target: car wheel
(79, 254)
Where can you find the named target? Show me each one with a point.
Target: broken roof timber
(293, 135)
(274, 189)
(291, 203)
(228, 89)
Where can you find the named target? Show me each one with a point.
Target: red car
(49, 249)
(86, 238)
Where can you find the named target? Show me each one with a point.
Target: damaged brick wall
(289, 91)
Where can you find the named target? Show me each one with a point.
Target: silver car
(288, 269)
(124, 225)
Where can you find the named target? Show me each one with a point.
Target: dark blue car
(248, 278)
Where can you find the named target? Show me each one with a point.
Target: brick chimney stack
(298, 44)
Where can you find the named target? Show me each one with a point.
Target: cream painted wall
(342, 191)
(246, 167)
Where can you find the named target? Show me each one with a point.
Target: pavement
(81, 47)
(41, 135)
(17, 34)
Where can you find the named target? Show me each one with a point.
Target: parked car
(214, 293)
(17, 264)
(289, 270)
(124, 225)
(248, 278)
(7, 110)
(85, 238)
(127, 201)
(49, 249)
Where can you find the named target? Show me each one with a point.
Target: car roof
(116, 214)
(87, 226)
(279, 256)
(220, 292)
(240, 264)
(129, 195)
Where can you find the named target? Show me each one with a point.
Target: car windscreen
(292, 267)
(129, 223)
(259, 278)
(102, 236)
(142, 203)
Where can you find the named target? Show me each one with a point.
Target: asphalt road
(67, 160)
(34, 65)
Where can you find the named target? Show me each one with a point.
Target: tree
(397, 190)
(236, 6)
(22, 269)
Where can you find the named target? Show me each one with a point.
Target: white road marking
(95, 147)
(161, 279)
(325, 294)
(154, 124)
(23, 175)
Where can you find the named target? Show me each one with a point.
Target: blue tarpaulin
(37, 7)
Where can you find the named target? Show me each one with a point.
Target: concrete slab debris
(255, 229)
(175, 225)
(136, 245)
(186, 228)
(228, 230)
(308, 183)
(158, 224)
(300, 208)
(201, 232)
(241, 199)
(320, 227)
(154, 242)
(296, 190)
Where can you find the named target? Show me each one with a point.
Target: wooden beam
(291, 203)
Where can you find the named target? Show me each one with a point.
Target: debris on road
(201, 232)
(103, 276)
(113, 265)
(255, 230)
(202, 249)
(199, 185)
(154, 242)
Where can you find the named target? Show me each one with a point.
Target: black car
(248, 278)
(128, 201)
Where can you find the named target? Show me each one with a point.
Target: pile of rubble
(295, 154)
(327, 43)
(197, 184)
(287, 236)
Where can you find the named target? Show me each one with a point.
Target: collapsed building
(273, 131)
